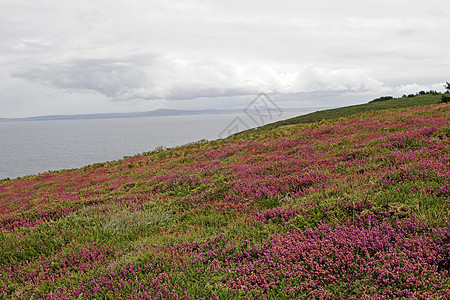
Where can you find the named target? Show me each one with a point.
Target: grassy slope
(355, 109)
(341, 208)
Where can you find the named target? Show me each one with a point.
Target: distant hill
(153, 113)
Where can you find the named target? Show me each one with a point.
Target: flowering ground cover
(349, 208)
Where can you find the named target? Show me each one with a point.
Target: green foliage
(269, 202)
(447, 86)
(431, 98)
(127, 220)
(4, 180)
(385, 98)
(445, 98)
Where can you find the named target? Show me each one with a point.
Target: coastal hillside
(351, 207)
(387, 102)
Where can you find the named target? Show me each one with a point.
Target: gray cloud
(113, 79)
(159, 78)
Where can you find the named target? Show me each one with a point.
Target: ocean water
(33, 147)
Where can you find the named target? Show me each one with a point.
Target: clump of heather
(369, 257)
(352, 208)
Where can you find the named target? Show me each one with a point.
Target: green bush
(385, 98)
(445, 99)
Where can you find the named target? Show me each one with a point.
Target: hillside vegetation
(347, 208)
(406, 101)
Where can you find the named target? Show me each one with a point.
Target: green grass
(354, 109)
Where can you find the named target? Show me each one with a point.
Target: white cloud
(322, 79)
(176, 79)
(414, 88)
(410, 88)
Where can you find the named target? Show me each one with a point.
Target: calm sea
(33, 147)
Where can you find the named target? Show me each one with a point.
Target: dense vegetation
(353, 207)
(386, 102)
(385, 98)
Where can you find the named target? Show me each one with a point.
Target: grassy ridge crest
(356, 109)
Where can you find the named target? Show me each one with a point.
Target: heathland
(349, 203)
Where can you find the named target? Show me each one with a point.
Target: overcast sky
(90, 56)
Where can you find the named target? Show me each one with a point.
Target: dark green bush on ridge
(445, 99)
(421, 93)
(382, 99)
(5, 180)
(447, 86)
